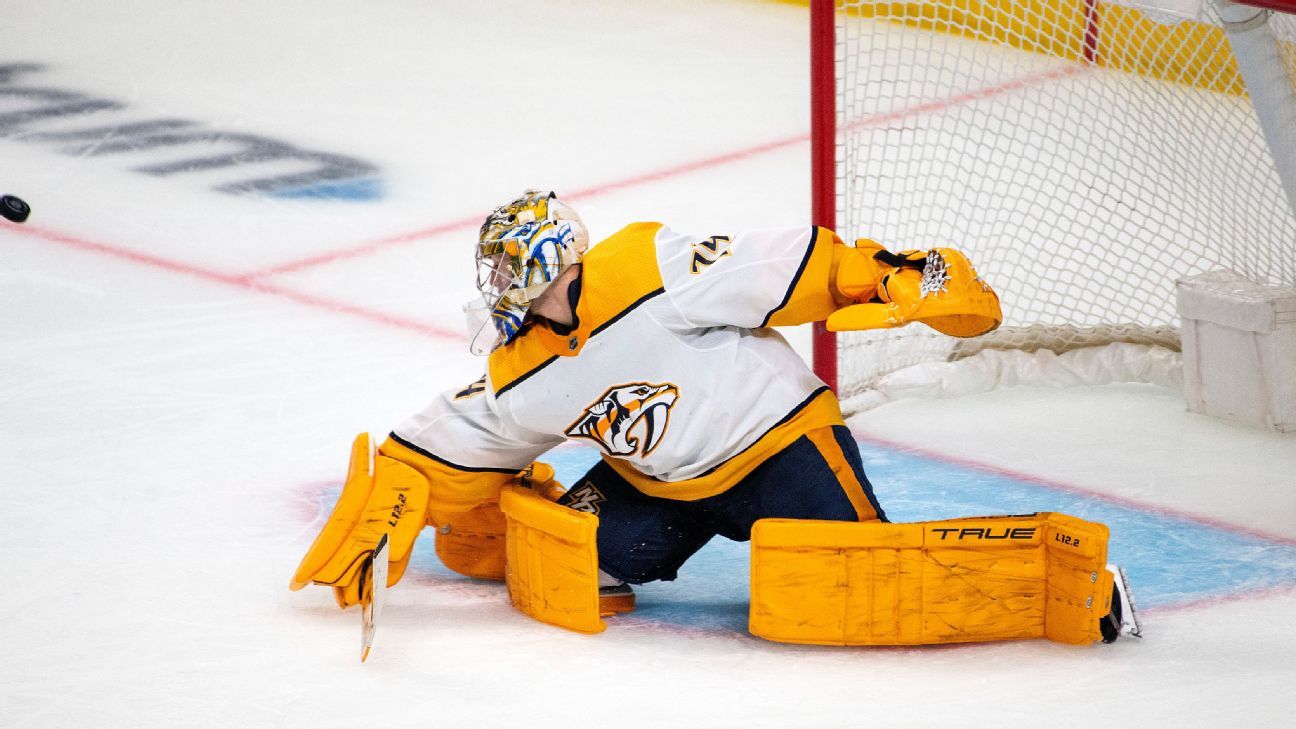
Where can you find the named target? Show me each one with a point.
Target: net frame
(829, 201)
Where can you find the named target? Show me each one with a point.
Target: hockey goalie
(656, 348)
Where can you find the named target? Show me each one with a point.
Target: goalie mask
(522, 248)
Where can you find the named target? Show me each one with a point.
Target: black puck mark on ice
(14, 209)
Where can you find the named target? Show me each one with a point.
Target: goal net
(1084, 154)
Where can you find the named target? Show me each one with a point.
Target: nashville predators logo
(585, 497)
(627, 419)
(709, 251)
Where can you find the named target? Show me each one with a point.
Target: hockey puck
(14, 209)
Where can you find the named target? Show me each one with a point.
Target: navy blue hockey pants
(642, 538)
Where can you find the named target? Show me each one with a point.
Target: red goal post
(1281, 6)
(1017, 130)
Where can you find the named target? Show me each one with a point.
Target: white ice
(171, 404)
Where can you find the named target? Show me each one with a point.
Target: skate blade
(616, 600)
(1130, 624)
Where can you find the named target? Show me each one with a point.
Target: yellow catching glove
(381, 496)
(938, 288)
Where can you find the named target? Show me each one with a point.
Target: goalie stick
(373, 588)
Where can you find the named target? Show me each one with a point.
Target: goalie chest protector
(671, 371)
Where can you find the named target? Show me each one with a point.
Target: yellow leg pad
(552, 561)
(956, 581)
(472, 544)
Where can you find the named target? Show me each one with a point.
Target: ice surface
(181, 370)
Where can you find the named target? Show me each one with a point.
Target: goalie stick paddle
(373, 587)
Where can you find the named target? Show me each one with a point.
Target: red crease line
(1081, 491)
(245, 282)
(1258, 593)
(666, 173)
(685, 168)
(365, 249)
(253, 281)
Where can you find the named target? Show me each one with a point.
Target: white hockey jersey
(671, 370)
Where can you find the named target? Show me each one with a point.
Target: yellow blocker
(552, 561)
(958, 581)
(381, 496)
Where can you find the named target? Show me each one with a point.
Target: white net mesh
(1083, 155)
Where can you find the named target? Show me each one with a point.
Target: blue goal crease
(1170, 560)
